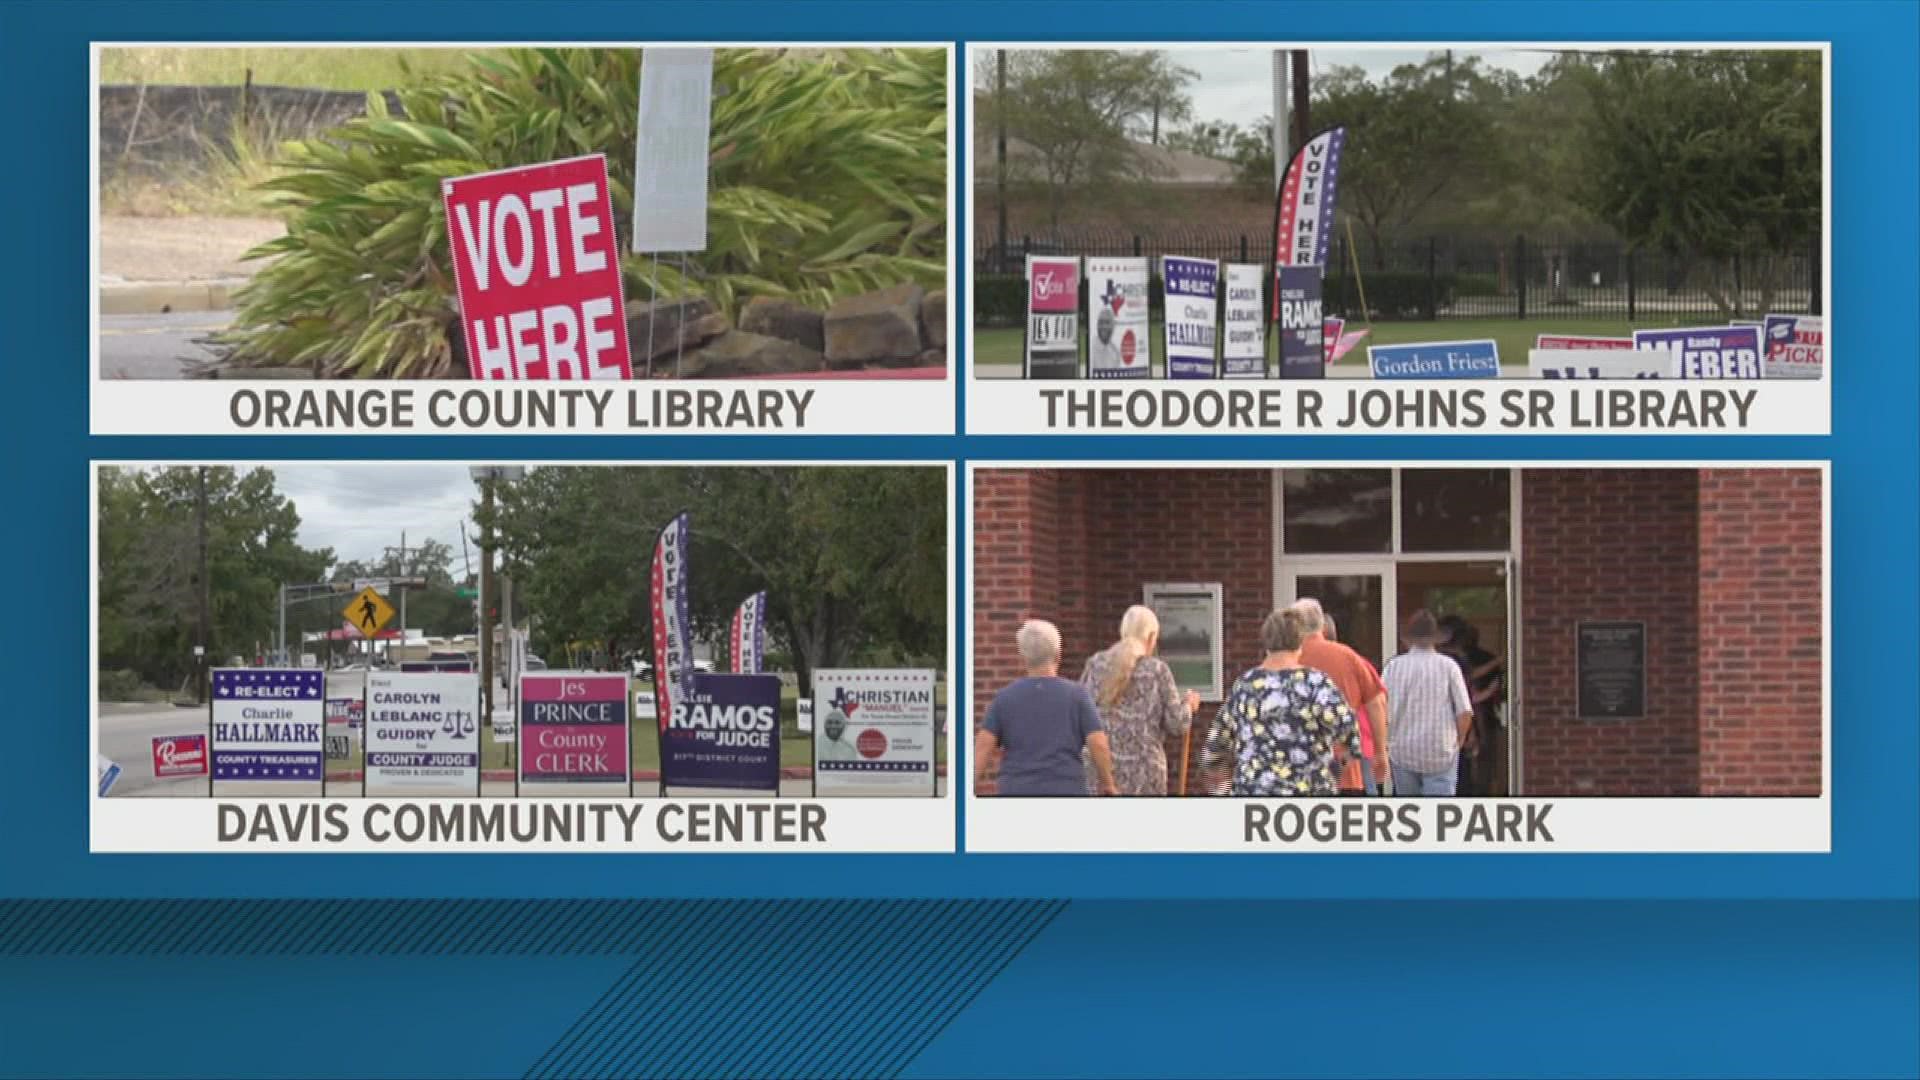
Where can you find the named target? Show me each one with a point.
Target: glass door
(1359, 594)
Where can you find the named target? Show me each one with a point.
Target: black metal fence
(1477, 275)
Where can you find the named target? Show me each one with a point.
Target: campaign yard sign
(537, 269)
(269, 725)
(1192, 316)
(725, 733)
(1708, 352)
(1436, 360)
(1243, 351)
(1571, 341)
(1053, 320)
(874, 732)
(1796, 346)
(423, 734)
(573, 729)
(1339, 340)
(1302, 325)
(1117, 345)
(179, 755)
(1602, 363)
(670, 152)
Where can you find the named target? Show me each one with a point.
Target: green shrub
(1476, 284)
(121, 684)
(1391, 294)
(828, 179)
(999, 299)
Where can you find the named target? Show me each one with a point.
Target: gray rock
(738, 353)
(933, 319)
(682, 323)
(875, 326)
(785, 320)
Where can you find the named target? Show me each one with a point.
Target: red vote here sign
(538, 270)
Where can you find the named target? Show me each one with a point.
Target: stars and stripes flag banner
(749, 636)
(672, 634)
(269, 724)
(1303, 211)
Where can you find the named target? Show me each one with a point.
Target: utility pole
(1302, 89)
(1282, 146)
(1000, 165)
(486, 597)
(205, 630)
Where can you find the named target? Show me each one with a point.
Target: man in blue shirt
(1038, 724)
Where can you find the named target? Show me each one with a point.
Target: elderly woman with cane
(1140, 704)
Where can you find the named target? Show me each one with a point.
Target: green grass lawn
(322, 69)
(996, 351)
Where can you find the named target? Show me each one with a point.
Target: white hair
(1038, 642)
(1137, 627)
(1313, 617)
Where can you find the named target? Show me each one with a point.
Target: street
(156, 346)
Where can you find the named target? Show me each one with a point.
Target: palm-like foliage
(829, 176)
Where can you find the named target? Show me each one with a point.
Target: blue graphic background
(1570, 965)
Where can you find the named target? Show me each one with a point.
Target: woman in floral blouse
(1284, 729)
(1140, 704)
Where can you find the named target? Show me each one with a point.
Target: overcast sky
(360, 510)
(1236, 85)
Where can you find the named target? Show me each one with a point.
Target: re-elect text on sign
(538, 270)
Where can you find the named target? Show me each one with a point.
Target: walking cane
(1186, 751)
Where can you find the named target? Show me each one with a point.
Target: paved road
(155, 346)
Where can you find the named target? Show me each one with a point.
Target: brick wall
(1075, 546)
(1598, 545)
(1760, 631)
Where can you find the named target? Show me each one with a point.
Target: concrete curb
(165, 297)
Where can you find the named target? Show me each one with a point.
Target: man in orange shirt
(1359, 684)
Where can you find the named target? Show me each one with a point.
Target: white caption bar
(664, 407)
(1589, 825)
(521, 825)
(1342, 406)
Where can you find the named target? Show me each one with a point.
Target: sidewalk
(152, 265)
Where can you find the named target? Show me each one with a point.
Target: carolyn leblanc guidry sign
(269, 725)
(422, 734)
(873, 732)
(537, 269)
(1243, 349)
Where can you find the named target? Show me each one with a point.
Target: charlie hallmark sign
(269, 725)
(875, 732)
(423, 734)
(538, 272)
(573, 729)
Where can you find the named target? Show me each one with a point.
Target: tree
(1424, 131)
(1079, 113)
(853, 559)
(1707, 154)
(149, 574)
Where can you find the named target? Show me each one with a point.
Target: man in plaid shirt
(1428, 712)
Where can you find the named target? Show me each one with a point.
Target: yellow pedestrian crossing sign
(368, 612)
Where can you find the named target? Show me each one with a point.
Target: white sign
(269, 727)
(670, 159)
(1117, 341)
(876, 732)
(1793, 346)
(1243, 352)
(1603, 363)
(803, 714)
(423, 734)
